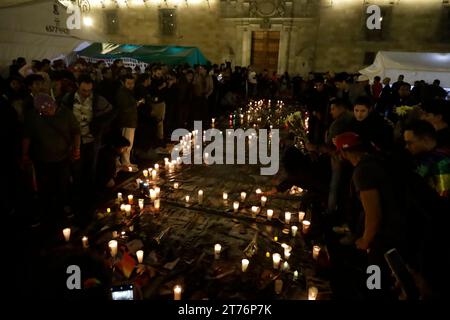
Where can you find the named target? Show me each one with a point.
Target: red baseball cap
(347, 140)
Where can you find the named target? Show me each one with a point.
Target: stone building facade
(304, 35)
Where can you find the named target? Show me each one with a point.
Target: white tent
(413, 65)
(37, 30)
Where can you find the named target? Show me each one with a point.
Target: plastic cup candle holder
(245, 263)
(200, 196)
(316, 252)
(85, 242)
(236, 206)
(113, 247)
(243, 196)
(305, 226)
(287, 217)
(140, 255)
(66, 233)
(263, 201)
(217, 249)
(269, 214)
(276, 258)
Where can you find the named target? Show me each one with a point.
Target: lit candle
(258, 191)
(294, 230)
(225, 196)
(157, 204)
(275, 238)
(269, 214)
(301, 216)
(276, 257)
(200, 196)
(236, 206)
(316, 251)
(217, 249)
(141, 203)
(130, 169)
(156, 166)
(287, 254)
(152, 194)
(108, 210)
(166, 161)
(113, 247)
(157, 191)
(285, 266)
(295, 275)
(187, 199)
(255, 209)
(263, 201)
(140, 255)
(122, 207)
(85, 242)
(119, 196)
(154, 173)
(145, 172)
(312, 293)
(306, 225)
(127, 209)
(176, 185)
(66, 233)
(130, 199)
(287, 217)
(177, 292)
(245, 263)
(267, 254)
(243, 196)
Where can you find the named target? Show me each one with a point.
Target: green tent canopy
(170, 55)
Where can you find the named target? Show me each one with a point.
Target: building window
(112, 22)
(167, 22)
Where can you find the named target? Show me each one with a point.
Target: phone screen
(122, 292)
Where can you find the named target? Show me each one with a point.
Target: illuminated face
(129, 84)
(361, 112)
(404, 91)
(85, 90)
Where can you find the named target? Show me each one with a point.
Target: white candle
(301, 216)
(295, 275)
(119, 196)
(140, 255)
(127, 208)
(130, 199)
(258, 191)
(156, 166)
(177, 292)
(187, 198)
(166, 161)
(113, 247)
(285, 266)
(316, 251)
(154, 173)
(306, 225)
(225, 196)
(130, 169)
(312, 293)
(276, 257)
(263, 201)
(245, 263)
(176, 185)
(85, 242)
(236, 206)
(287, 254)
(213, 120)
(287, 217)
(269, 214)
(122, 207)
(200, 196)
(243, 196)
(255, 209)
(152, 194)
(66, 233)
(157, 204)
(294, 230)
(141, 203)
(145, 173)
(217, 249)
(157, 191)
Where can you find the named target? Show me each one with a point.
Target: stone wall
(317, 35)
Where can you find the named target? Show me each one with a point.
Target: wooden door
(265, 46)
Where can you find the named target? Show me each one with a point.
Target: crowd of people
(70, 130)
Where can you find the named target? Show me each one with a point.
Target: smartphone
(124, 292)
(402, 274)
